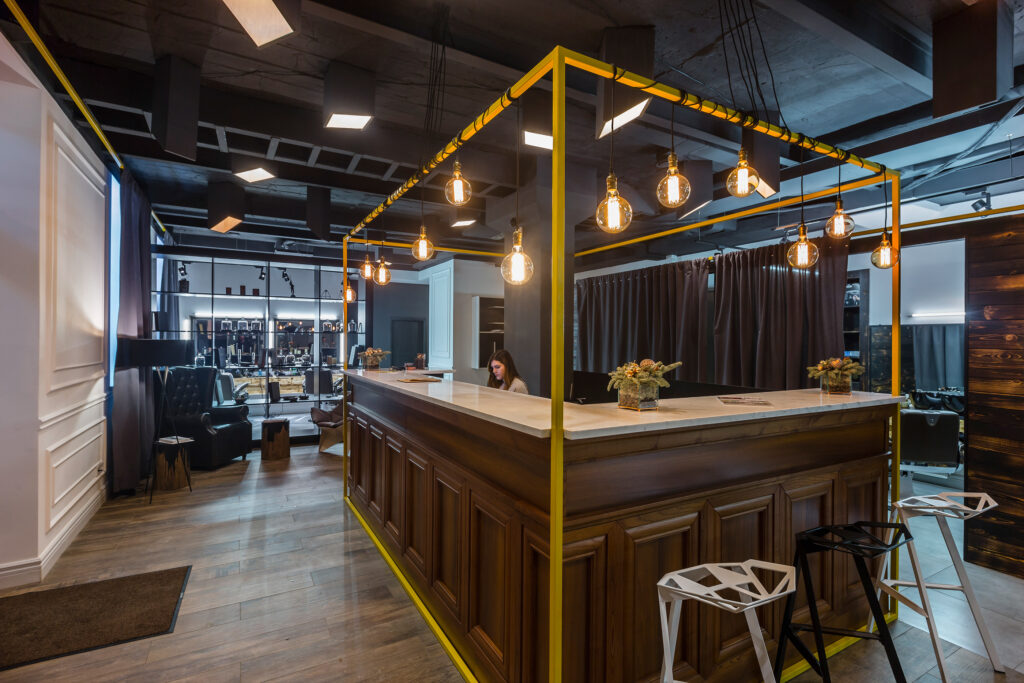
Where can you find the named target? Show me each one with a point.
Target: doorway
(407, 339)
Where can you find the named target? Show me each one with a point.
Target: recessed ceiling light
(254, 175)
(538, 140)
(226, 224)
(625, 117)
(348, 121)
(464, 223)
(261, 19)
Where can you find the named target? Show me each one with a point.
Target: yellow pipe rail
(852, 185)
(947, 219)
(404, 245)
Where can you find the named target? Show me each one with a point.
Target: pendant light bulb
(350, 292)
(383, 275)
(674, 188)
(840, 225)
(743, 179)
(457, 190)
(422, 249)
(614, 214)
(517, 267)
(885, 255)
(803, 253)
(366, 268)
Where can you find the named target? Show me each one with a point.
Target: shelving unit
(489, 323)
(856, 338)
(280, 315)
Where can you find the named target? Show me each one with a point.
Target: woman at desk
(502, 373)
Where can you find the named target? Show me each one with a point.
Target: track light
(422, 249)
(802, 254)
(983, 204)
(457, 190)
(517, 266)
(743, 180)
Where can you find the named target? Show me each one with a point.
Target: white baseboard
(34, 570)
(52, 553)
(21, 573)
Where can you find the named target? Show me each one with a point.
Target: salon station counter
(453, 478)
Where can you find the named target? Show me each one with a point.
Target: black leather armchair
(221, 433)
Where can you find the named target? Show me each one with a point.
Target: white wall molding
(61, 541)
(15, 574)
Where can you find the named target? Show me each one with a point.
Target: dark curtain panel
(168, 303)
(132, 420)
(938, 356)
(657, 313)
(772, 321)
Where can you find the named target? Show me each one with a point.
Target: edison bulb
(517, 266)
(366, 268)
(743, 179)
(885, 256)
(350, 293)
(802, 254)
(458, 190)
(674, 188)
(840, 225)
(383, 275)
(614, 214)
(422, 249)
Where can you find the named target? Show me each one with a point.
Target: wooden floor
(286, 585)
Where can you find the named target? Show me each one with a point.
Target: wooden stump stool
(170, 469)
(275, 444)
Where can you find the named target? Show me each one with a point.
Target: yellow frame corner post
(344, 366)
(894, 565)
(557, 477)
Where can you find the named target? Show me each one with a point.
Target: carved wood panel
(862, 496)
(448, 551)
(393, 483)
(808, 504)
(360, 458)
(738, 526)
(375, 471)
(655, 544)
(417, 511)
(534, 620)
(491, 530)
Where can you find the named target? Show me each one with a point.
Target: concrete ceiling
(854, 73)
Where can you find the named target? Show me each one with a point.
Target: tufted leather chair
(221, 433)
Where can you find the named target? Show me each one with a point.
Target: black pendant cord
(802, 225)
(839, 188)
(885, 210)
(519, 134)
(672, 126)
(611, 155)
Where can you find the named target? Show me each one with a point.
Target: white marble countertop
(532, 414)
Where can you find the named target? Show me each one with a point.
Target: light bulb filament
(742, 178)
(458, 192)
(802, 256)
(673, 189)
(423, 248)
(518, 265)
(885, 257)
(614, 214)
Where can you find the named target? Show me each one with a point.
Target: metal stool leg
(812, 607)
(669, 635)
(787, 619)
(763, 661)
(889, 535)
(926, 605)
(972, 601)
(876, 610)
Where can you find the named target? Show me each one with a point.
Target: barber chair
(929, 444)
(324, 386)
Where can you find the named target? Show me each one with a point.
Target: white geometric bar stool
(948, 505)
(734, 588)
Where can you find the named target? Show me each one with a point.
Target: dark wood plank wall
(478, 552)
(995, 391)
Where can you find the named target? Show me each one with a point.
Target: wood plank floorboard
(285, 584)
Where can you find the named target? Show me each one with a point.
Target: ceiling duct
(970, 73)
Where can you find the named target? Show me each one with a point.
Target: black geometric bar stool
(856, 540)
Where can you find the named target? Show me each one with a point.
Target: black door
(407, 339)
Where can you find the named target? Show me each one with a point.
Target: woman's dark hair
(505, 358)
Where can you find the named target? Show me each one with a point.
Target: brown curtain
(772, 321)
(658, 313)
(132, 414)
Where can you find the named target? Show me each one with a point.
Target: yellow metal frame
(556, 62)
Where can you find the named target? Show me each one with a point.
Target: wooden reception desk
(453, 478)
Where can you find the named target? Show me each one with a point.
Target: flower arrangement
(835, 374)
(372, 357)
(638, 383)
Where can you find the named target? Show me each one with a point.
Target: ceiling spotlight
(464, 223)
(225, 206)
(261, 19)
(463, 218)
(983, 204)
(255, 175)
(536, 114)
(348, 96)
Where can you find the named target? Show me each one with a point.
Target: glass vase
(639, 396)
(837, 385)
(372, 363)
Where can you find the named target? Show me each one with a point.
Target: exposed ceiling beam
(865, 29)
